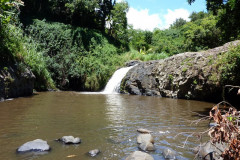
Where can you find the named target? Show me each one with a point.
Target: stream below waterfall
(104, 121)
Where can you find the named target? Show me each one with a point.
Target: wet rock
(138, 155)
(146, 142)
(17, 82)
(169, 154)
(144, 131)
(94, 152)
(145, 138)
(35, 145)
(207, 151)
(147, 146)
(70, 140)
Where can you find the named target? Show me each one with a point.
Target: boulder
(208, 151)
(70, 140)
(16, 82)
(169, 154)
(190, 75)
(145, 138)
(146, 142)
(94, 152)
(37, 145)
(144, 131)
(138, 155)
(147, 146)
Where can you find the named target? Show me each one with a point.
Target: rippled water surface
(106, 122)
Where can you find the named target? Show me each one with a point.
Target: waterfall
(113, 85)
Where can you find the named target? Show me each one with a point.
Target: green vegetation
(77, 45)
(229, 66)
(184, 70)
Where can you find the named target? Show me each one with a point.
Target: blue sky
(150, 14)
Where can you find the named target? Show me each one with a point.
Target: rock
(209, 151)
(70, 140)
(132, 63)
(138, 155)
(169, 154)
(146, 142)
(147, 146)
(16, 82)
(190, 75)
(94, 152)
(35, 145)
(145, 138)
(141, 130)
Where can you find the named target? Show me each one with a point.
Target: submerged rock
(70, 140)
(38, 145)
(94, 152)
(138, 155)
(169, 154)
(144, 131)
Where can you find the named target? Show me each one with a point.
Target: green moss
(187, 61)
(210, 60)
(184, 70)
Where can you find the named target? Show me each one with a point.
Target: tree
(197, 15)
(118, 22)
(178, 23)
(8, 10)
(202, 34)
(83, 13)
(228, 12)
(106, 6)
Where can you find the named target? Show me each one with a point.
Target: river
(107, 122)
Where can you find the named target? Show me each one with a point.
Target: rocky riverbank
(15, 82)
(190, 75)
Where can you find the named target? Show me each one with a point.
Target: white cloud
(143, 20)
(171, 16)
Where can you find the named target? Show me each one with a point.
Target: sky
(150, 14)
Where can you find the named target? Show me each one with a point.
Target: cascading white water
(113, 85)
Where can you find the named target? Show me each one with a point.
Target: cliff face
(191, 75)
(15, 82)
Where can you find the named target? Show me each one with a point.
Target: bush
(230, 67)
(78, 58)
(21, 51)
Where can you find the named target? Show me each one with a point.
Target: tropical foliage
(78, 44)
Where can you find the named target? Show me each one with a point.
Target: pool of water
(106, 122)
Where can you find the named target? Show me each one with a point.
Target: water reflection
(115, 110)
(107, 122)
